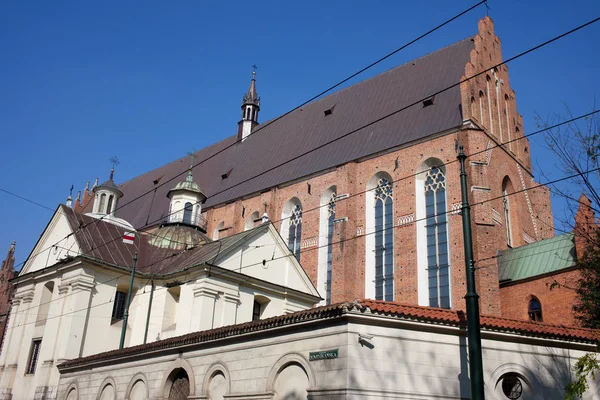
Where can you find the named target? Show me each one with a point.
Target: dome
(189, 186)
(113, 220)
(177, 237)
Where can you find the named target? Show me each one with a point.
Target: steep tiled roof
(545, 256)
(309, 128)
(102, 241)
(392, 309)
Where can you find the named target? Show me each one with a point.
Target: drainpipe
(126, 314)
(149, 308)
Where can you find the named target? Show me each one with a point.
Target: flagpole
(126, 313)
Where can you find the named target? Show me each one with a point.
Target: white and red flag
(128, 237)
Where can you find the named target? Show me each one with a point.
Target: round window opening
(512, 387)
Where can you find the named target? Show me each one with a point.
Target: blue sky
(81, 81)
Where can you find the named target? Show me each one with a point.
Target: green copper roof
(537, 258)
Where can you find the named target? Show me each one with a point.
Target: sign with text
(323, 355)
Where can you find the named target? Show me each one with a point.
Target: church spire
(250, 109)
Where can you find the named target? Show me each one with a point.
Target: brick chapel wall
(530, 212)
(557, 302)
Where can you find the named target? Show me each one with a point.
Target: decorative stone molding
(360, 231)
(78, 280)
(456, 208)
(405, 220)
(232, 298)
(205, 291)
(211, 371)
(284, 361)
(170, 373)
(527, 238)
(496, 217)
(138, 377)
(488, 152)
(310, 242)
(109, 381)
(529, 207)
(63, 289)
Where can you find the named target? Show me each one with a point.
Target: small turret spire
(70, 197)
(250, 109)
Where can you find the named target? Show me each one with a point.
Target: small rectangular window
(256, 311)
(33, 356)
(118, 311)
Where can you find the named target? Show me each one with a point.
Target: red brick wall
(557, 303)
(530, 210)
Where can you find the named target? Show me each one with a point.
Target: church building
(317, 255)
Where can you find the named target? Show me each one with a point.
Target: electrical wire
(26, 199)
(260, 127)
(408, 106)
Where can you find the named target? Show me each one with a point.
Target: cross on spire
(192, 156)
(254, 68)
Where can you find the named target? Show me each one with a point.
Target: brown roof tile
(308, 128)
(415, 313)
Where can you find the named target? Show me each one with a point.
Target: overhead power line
(448, 211)
(260, 127)
(26, 199)
(389, 115)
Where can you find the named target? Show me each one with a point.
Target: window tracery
(437, 238)
(384, 241)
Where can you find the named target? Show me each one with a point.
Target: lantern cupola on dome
(186, 200)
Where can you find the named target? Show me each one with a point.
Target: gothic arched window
(436, 232)
(330, 219)
(384, 241)
(187, 213)
(295, 230)
(535, 310)
(506, 207)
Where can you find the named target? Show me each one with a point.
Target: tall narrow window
(481, 107)
(33, 356)
(110, 204)
(506, 206)
(384, 241)
(102, 203)
(118, 311)
(437, 238)
(330, 219)
(489, 101)
(256, 311)
(507, 113)
(535, 310)
(187, 213)
(295, 232)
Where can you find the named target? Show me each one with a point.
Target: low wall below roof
(395, 359)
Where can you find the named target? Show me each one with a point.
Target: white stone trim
(138, 377)
(179, 363)
(284, 361)
(405, 220)
(535, 228)
(218, 366)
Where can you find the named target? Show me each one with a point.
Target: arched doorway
(180, 386)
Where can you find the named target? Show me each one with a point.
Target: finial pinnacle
(254, 68)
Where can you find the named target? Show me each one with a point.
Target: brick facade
(7, 272)
(555, 292)
(493, 162)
